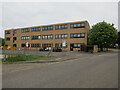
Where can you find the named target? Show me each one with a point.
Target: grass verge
(24, 58)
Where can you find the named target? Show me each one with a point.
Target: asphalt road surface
(91, 71)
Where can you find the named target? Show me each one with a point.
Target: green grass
(24, 58)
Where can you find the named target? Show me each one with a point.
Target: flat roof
(48, 25)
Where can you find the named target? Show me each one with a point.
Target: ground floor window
(35, 45)
(24, 45)
(14, 45)
(47, 45)
(77, 45)
(60, 45)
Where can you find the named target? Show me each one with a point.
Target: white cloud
(25, 14)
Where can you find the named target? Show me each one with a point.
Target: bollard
(5, 58)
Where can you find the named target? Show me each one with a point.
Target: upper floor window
(35, 37)
(77, 35)
(25, 38)
(8, 39)
(47, 36)
(14, 31)
(77, 25)
(35, 29)
(7, 32)
(47, 28)
(25, 30)
(61, 36)
(57, 27)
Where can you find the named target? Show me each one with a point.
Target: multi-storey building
(73, 33)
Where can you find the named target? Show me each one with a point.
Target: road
(91, 71)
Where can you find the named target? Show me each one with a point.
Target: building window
(35, 45)
(35, 37)
(77, 25)
(47, 36)
(60, 45)
(24, 45)
(77, 35)
(8, 39)
(25, 38)
(47, 28)
(57, 27)
(77, 45)
(14, 45)
(14, 31)
(14, 38)
(25, 30)
(61, 36)
(35, 29)
(7, 32)
(83, 35)
(47, 45)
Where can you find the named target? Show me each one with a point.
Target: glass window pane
(51, 36)
(62, 35)
(56, 36)
(38, 37)
(65, 35)
(75, 35)
(59, 35)
(75, 25)
(46, 37)
(82, 24)
(78, 44)
(59, 27)
(78, 24)
(66, 26)
(78, 34)
(71, 35)
(75, 45)
(82, 34)
(71, 25)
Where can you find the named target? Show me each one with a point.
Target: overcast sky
(26, 14)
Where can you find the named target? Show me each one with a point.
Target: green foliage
(2, 41)
(102, 34)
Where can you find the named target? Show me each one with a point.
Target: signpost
(26, 46)
(63, 46)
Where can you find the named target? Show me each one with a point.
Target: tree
(102, 34)
(118, 40)
(2, 41)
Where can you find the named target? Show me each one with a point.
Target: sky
(27, 14)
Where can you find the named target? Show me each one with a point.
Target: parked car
(45, 49)
(57, 49)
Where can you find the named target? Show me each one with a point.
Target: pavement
(84, 71)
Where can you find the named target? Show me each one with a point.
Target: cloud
(24, 14)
